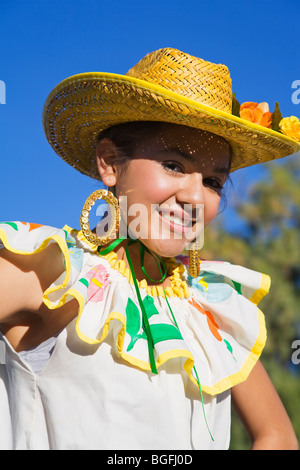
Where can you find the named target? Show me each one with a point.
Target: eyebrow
(186, 156)
(222, 169)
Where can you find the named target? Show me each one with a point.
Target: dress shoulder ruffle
(227, 296)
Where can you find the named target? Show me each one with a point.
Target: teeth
(176, 220)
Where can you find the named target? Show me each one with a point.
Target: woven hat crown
(191, 77)
(166, 86)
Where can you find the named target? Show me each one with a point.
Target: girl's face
(168, 181)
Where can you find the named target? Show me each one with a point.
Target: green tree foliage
(270, 243)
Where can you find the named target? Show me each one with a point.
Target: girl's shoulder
(24, 238)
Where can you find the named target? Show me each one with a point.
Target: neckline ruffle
(178, 287)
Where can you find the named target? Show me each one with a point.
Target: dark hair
(127, 135)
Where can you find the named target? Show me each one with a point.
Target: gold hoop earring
(115, 215)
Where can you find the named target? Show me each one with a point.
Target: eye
(173, 167)
(213, 183)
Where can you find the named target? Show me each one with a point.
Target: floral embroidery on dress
(135, 329)
(31, 226)
(212, 286)
(96, 281)
(212, 325)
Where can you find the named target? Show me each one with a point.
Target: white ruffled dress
(97, 391)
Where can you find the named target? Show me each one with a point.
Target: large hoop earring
(115, 214)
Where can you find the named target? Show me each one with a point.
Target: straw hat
(166, 85)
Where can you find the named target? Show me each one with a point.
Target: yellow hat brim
(83, 105)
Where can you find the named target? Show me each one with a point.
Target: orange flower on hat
(258, 113)
(290, 126)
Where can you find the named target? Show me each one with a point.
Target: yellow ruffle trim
(178, 287)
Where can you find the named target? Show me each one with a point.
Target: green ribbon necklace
(146, 326)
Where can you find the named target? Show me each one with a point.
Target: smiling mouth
(178, 221)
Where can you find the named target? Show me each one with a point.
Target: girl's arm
(23, 278)
(262, 412)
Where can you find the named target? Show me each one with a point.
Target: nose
(191, 190)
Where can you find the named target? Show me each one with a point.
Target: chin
(165, 248)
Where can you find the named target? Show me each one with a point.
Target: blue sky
(45, 41)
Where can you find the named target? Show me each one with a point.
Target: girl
(111, 342)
